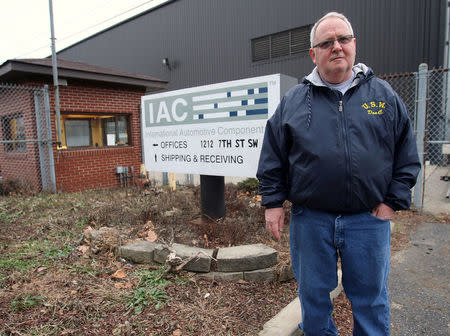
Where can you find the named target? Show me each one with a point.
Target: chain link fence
(26, 154)
(426, 95)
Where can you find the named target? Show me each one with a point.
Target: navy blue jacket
(339, 153)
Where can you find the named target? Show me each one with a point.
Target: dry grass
(48, 287)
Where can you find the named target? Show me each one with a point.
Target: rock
(104, 238)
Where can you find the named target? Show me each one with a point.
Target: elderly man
(341, 149)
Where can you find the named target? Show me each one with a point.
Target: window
(89, 130)
(289, 42)
(115, 131)
(13, 128)
(78, 132)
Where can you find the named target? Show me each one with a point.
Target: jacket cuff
(273, 205)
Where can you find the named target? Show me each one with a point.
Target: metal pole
(447, 36)
(212, 194)
(446, 77)
(55, 76)
(420, 135)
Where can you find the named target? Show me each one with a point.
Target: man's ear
(312, 54)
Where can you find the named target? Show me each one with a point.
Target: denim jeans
(363, 243)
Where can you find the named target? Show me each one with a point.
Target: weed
(4, 217)
(31, 254)
(25, 301)
(150, 290)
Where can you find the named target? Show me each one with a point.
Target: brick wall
(94, 168)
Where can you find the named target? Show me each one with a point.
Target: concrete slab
(246, 258)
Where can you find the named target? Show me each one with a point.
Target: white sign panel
(210, 130)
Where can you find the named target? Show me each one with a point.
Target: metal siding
(209, 41)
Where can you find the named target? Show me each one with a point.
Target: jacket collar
(361, 71)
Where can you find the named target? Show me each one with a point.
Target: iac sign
(162, 113)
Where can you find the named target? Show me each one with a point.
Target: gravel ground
(420, 284)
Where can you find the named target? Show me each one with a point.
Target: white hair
(326, 16)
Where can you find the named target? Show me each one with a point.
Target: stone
(260, 275)
(285, 273)
(202, 262)
(103, 239)
(102, 233)
(139, 252)
(246, 258)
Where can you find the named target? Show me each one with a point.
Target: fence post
(49, 138)
(42, 161)
(420, 132)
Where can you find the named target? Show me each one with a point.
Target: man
(341, 149)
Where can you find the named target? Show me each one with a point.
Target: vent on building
(289, 42)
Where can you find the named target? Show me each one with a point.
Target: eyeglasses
(329, 43)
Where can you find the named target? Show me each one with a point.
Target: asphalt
(419, 286)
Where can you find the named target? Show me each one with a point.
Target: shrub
(249, 185)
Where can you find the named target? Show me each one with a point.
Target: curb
(285, 323)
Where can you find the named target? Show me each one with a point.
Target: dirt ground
(54, 281)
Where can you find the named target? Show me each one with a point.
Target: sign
(213, 129)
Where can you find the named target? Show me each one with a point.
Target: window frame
(117, 134)
(97, 125)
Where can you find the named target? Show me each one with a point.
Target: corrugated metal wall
(209, 41)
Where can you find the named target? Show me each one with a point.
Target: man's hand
(275, 221)
(383, 211)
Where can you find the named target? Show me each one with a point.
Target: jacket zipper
(347, 155)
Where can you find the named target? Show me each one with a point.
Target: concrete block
(202, 263)
(139, 252)
(225, 276)
(246, 258)
(261, 275)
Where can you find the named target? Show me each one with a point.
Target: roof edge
(12, 66)
(116, 25)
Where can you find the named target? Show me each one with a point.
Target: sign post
(211, 130)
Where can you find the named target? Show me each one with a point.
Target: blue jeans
(363, 243)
